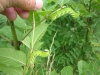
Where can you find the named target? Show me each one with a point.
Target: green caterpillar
(62, 11)
(33, 55)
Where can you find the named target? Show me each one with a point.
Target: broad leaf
(38, 34)
(82, 10)
(19, 22)
(6, 31)
(11, 57)
(3, 21)
(11, 70)
(38, 45)
(37, 18)
(29, 20)
(62, 2)
(67, 71)
(94, 67)
(82, 67)
(27, 41)
(53, 73)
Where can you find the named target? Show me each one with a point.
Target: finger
(38, 5)
(27, 4)
(22, 13)
(10, 13)
(23, 4)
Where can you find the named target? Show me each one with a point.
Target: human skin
(22, 7)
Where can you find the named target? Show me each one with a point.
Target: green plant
(84, 68)
(30, 41)
(68, 28)
(77, 38)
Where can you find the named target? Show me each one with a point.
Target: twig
(90, 6)
(31, 69)
(32, 46)
(50, 53)
(31, 49)
(26, 34)
(32, 43)
(48, 73)
(51, 48)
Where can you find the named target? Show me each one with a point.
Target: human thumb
(23, 4)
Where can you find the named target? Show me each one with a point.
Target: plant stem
(88, 22)
(90, 6)
(48, 60)
(16, 44)
(31, 69)
(51, 47)
(33, 28)
(31, 50)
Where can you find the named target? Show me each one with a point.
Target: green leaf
(44, 13)
(11, 70)
(82, 67)
(53, 73)
(67, 71)
(57, 43)
(38, 34)
(82, 9)
(37, 18)
(86, 1)
(94, 67)
(11, 57)
(3, 20)
(6, 31)
(29, 20)
(19, 21)
(38, 45)
(62, 2)
(27, 41)
(73, 54)
(81, 23)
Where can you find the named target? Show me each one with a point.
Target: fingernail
(39, 4)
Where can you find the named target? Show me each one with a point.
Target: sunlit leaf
(67, 71)
(38, 34)
(53, 73)
(11, 57)
(11, 70)
(82, 67)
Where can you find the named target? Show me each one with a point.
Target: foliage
(76, 38)
(84, 68)
(69, 29)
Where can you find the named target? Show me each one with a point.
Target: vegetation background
(69, 31)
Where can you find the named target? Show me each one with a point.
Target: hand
(22, 7)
